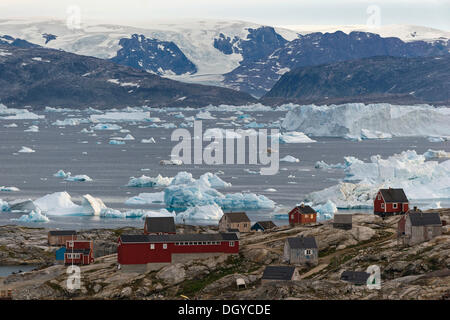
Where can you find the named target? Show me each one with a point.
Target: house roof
(160, 224)
(62, 232)
(266, 225)
(83, 251)
(304, 209)
(424, 219)
(278, 273)
(356, 277)
(153, 238)
(235, 217)
(394, 195)
(302, 242)
(343, 218)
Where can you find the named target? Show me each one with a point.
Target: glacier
(420, 178)
(380, 120)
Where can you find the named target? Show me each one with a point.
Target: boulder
(172, 274)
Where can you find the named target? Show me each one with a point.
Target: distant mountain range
(243, 56)
(379, 79)
(39, 77)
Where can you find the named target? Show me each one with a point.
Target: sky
(430, 13)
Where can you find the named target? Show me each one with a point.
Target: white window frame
(379, 197)
(382, 205)
(308, 252)
(152, 246)
(395, 205)
(164, 245)
(231, 243)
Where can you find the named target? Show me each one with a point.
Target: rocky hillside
(417, 272)
(39, 77)
(371, 80)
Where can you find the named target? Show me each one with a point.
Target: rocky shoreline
(417, 272)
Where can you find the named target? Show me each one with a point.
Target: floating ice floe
(438, 139)
(348, 120)
(430, 154)
(204, 115)
(33, 217)
(290, 159)
(26, 150)
(4, 206)
(9, 189)
(323, 165)
(419, 178)
(18, 114)
(79, 178)
(151, 140)
(121, 116)
(69, 122)
(116, 142)
(174, 162)
(144, 181)
(32, 129)
(62, 174)
(12, 125)
(293, 137)
(271, 190)
(128, 137)
(107, 126)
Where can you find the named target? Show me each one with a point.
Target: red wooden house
(302, 214)
(147, 252)
(79, 252)
(390, 202)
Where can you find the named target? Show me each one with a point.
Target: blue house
(60, 254)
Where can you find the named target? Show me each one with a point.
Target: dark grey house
(355, 277)
(263, 226)
(342, 221)
(301, 250)
(159, 225)
(280, 273)
(417, 226)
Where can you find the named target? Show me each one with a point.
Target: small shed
(263, 226)
(302, 214)
(59, 237)
(301, 250)
(234, 220)
(343, 221)
(240, 283)
(356, 277)
(280, 273)
(417, 226)
(60, 254)
(159, 225)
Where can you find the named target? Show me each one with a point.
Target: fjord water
(111, 166)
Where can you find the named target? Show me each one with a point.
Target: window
(164, 245)
(394, 205)
(292, 216)
(379, 197)
(308, 252)
(70, 244)
(382, 206)
(231, 243)
(152, 246)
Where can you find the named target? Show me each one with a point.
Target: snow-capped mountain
(235, 54)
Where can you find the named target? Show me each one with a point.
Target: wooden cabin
(234, 220)
(263, 226)
(141, 253)
(417, 226)
(390, 202)
(301, 250)
(159, 225)
(280, 273)
(343, 221)
(59, 237)
(302, 214)
(80, 252)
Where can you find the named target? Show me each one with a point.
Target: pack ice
(420, 178)
(360, 121)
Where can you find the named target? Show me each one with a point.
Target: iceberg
(107, 126)
(12, 125)
(144, 181)
(208, 212)
(204, 115)
(293, 137)
(323, 165)
(60, 204)
(69, 122)
(128, 137)
(146, 198)
(290, 159)
(350, 119)
(174, 162)
(430, 154)
(4, 206)
(151, 140)
(9, 189)
(33, 217)
(32, 129)
(62, 174)
(78, 178)
(325, 211)
(26, 150)
(116, 142)
(420, 178)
